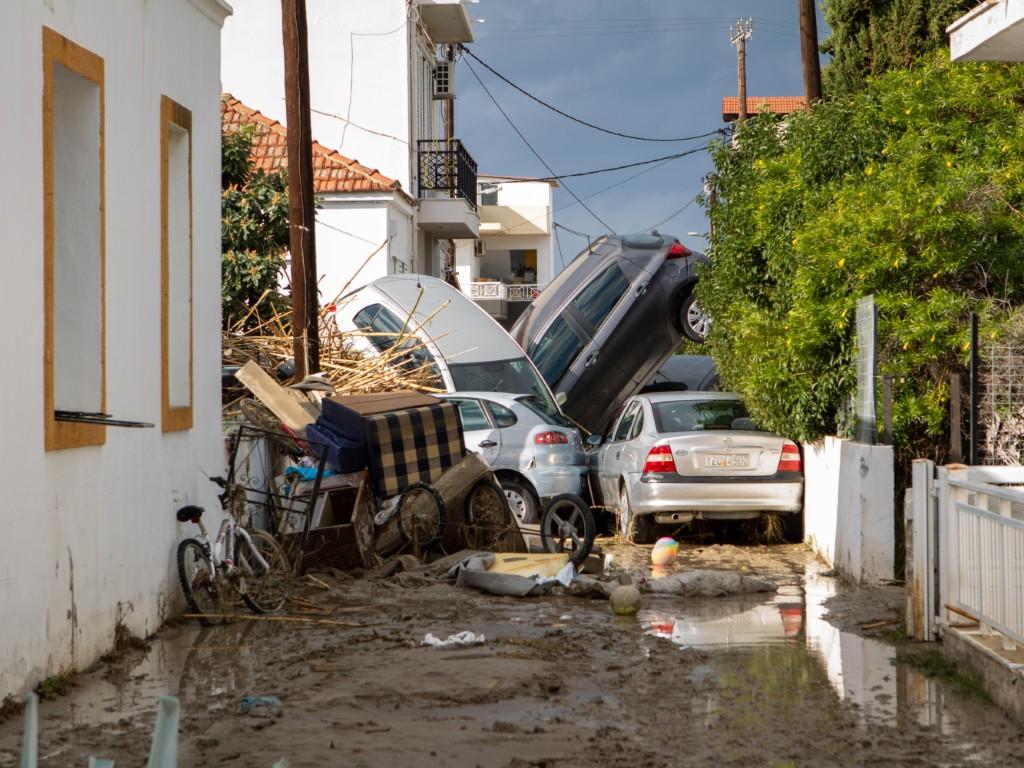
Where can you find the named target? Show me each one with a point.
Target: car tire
(521, 500)
(635, 529)
(793, 527)
(693, 321)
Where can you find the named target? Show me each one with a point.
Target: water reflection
(787, 646)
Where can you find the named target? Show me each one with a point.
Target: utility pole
(809, 51)
(301, 214)
(739, 36)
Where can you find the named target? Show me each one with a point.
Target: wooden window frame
(180, 417)
(57, 49)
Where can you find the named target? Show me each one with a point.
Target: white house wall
(348, 232)
(359, 63)
(89, 534)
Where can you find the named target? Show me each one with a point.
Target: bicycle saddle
(191, 512)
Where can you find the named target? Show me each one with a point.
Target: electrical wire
(555, 109)
(652, 161)
(671, 216)
(534, 151)
(561, 256)
(323, 223)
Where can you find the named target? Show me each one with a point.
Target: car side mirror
(560, 398)
(594, 441)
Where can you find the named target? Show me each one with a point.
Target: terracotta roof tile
(332, 171)
(756, 105)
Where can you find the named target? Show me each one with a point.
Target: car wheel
(635, 529)
(521, 500)
(693, 321)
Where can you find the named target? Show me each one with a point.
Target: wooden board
(288, 405)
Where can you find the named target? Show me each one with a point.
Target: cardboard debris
(547, 565)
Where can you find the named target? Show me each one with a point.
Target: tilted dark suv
(602, 327)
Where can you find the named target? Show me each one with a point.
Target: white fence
(490, 290)
(967, 549)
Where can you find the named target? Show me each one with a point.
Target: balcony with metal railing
(447, 189)
(503, 301)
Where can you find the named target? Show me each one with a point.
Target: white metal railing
(491, 290)
(985, 573)
(967, 549)
(488, 290)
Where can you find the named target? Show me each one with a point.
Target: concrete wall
(89, 534)
(849, 507)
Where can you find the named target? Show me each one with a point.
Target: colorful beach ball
(665, 551)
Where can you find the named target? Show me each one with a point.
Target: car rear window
(515, 375)
(596, 301)
(555, 351)
(643, 241)
(546, 412)
(700, 415)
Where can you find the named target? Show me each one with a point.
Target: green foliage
(911, 190)
(936, 664)
(870, 37)
(254, 230)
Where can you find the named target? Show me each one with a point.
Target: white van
(467, 347)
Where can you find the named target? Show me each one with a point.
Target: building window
(74, 362)
(488, 194)
(175, 265)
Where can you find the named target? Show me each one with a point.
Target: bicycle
(250, 564)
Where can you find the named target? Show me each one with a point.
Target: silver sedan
(671, 457)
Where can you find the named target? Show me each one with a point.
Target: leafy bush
(910, 190)
(254, 230)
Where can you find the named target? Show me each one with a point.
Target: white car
(535, 452)
(465, 345)
(671, 457)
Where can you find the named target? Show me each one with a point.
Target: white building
(111, 136)
(357, 204)
(991, 31)
(372, 66)
(513, 259)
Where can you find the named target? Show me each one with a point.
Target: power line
(534, 151)
(671, 216)
(555, 109)
(665, 158)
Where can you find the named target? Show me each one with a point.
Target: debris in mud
(704, 583)
(460, 640)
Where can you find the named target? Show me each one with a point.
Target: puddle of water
(785, 639)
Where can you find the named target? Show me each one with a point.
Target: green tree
(911, 190)
(870, 37)
(254, 230)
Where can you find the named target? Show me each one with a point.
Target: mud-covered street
(760, 681)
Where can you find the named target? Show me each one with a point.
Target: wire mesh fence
(1001, 404)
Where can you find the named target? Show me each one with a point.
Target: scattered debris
(461, 640)
(249, 703)
(477, 572)
(625, 598)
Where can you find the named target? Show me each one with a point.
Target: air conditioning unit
(479, 248)
(444, 80)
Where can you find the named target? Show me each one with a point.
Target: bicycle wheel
(421, 514)
(567, 525)
(263, 588)
(199, 581)
(488, 515)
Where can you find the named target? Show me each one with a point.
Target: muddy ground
(765, 680)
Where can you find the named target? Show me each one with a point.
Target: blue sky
(654, 68)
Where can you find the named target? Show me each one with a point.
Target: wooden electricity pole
(739, 36)
(809, 51)
(301, 214)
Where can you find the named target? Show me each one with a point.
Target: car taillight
(551, 438)
(789, 461)
(678, 250)
(660, 460)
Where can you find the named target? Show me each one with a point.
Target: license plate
(727, 460)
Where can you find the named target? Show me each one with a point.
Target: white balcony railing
(493, 290)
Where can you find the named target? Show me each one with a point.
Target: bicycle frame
(220, 553)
